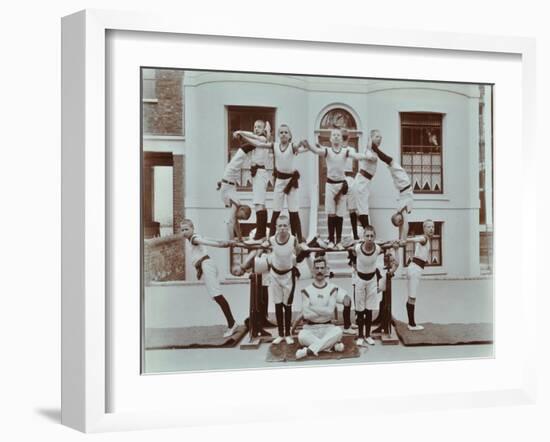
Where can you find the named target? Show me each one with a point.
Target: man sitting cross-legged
(318, 303)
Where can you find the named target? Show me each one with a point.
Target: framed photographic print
(249, 210)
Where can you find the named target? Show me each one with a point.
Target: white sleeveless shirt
(349, 160)
(284, 161)
(282, 254)
(367, 263)
(336, 163)
(422, 251)
(197, 250)
(369, 165)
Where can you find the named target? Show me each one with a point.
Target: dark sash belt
(366, 276)
(254, 169)
(198, 266)
(405, 188)
(280, 272)
(308, 322)
(351, 174)
(293, 183)
(343, 190)
(367, 175)
(419, 262)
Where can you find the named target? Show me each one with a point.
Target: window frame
(231, 150)
(421, 191)
(438, 228)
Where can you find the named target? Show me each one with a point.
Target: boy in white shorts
(337, 187)
(207, 270)
(228, 188)
(402, 183)
(367, 297)
(415, 268)
(362, 184)
(260, 176)
(280, 263)
(286, 178)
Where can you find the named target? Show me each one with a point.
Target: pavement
(439, 301)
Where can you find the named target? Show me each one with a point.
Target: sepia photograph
(291, 220)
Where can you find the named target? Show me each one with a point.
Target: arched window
(338, 118)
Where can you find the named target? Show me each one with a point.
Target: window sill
(430, 197)
(164, 137)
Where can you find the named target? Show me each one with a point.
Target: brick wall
(165, 117)
(163, 259)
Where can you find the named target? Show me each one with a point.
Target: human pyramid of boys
(276, 255)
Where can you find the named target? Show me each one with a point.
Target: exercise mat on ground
(287, 353)
(210, 336)
(445, 334)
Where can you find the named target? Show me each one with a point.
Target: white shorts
(229, 193)
(366, 294)
(280, 287)
(351, 201)
(361, 192)
(331, 207)
(210, 278)
(259, 186)
(279, 196)
(414, 274)
(405, 199)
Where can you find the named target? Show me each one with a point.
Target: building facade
(439, 132)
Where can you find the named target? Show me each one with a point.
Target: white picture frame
(86, 315)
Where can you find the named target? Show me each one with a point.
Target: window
(162, 101)
(421, 150)
(435, 256)
(243, 118)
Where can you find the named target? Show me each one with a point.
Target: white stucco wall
(458, 206)
(300, 103)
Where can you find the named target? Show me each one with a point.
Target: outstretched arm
(300, 147)
(367, 155)
(257, 143)
(317, 149)
(251, 135)
(211, 242)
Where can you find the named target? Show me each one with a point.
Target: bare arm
(368, 155)
(300, 148)
(211, 242)
(421, 239)
(257, 143)
(250, 135)
(317, 149)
